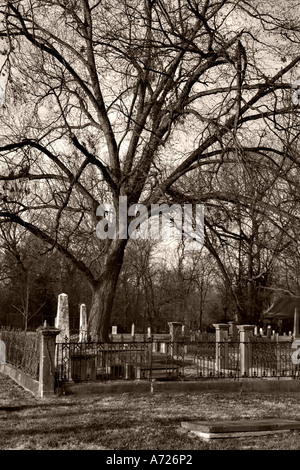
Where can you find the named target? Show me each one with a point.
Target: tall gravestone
(62, 353)
(62, 318)
(83, 324)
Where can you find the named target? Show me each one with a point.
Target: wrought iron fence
(103, 361)
(146, 359)
(180, 360)
(272, 359)
(150, 358)
(22, 350)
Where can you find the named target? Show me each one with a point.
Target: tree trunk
(104, 292)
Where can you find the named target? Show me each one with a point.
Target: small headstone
(132, 329)
(149, 332)
(114, 330)
(261, 332)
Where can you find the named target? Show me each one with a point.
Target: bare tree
(18, 269)
(128, 98)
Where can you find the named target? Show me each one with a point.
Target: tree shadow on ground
(16, 408)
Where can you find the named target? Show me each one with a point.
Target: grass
(135, 422)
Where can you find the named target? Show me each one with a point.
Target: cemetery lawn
(135, 422)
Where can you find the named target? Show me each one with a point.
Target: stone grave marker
(83, 324)
(242, 428)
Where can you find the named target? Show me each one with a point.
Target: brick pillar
(246, 334)
(47, 337)
(222, 330)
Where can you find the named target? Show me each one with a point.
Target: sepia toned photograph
(149, 228)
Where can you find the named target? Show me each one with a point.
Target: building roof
(283, 307)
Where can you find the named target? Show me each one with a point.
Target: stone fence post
(246, 334)
(47, 338)
(222, 330)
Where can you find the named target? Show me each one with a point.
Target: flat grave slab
(242, 428)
